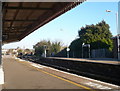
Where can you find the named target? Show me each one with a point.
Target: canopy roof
(22, 18)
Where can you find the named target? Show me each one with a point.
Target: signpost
(86, 45)
(45, 47)
(68, 49)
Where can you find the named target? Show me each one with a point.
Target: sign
(68, 49)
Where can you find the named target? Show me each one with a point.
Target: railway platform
(94, 60)
(21, 74)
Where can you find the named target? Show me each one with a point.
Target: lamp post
(116, 13)
(68, 49)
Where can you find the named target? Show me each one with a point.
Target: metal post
(45, 53)
(67, 54)
(118, 17)
(68, 49)
(45, 50)
(82, 51)
(89, 50)
(118, 28)
(118, 46)
(117, 34)
(73, 54)
(0, 34)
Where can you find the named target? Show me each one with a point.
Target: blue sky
(65, 27)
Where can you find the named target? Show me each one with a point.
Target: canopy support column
(1, 69)
(0, 34)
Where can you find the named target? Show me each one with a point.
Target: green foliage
(39, 50)
(98, 36)
(27, 51)
(51, 47)
(19, 51)
(75, 48)
(56, 47)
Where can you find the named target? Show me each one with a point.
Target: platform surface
(19, 76)
(27, 75)
(95, 60)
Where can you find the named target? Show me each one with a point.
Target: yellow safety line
(59, 77)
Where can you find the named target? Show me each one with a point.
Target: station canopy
(22, 18)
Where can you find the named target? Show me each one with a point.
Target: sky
(65, 27)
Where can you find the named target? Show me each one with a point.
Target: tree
(56, 47)
(75, 48)
(51, 47)
(19, 51)
(27, 51)
(98, 36)
(39, 47)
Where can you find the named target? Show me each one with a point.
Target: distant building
(4, 51)
(116, 44)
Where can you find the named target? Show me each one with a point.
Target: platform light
(116, 13)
